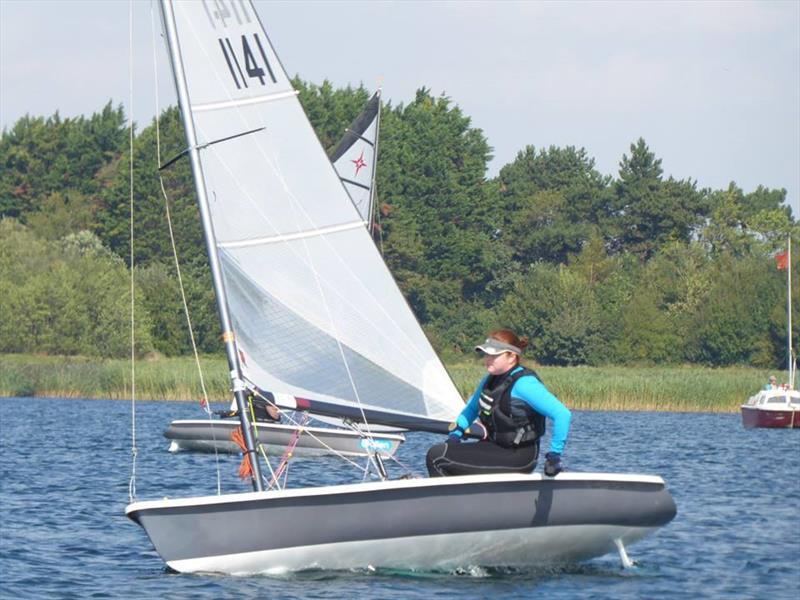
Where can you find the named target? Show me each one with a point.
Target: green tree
(69, 296)
(151, 237)
(734, 323)
(659, 316)
(40, 157)
(649, 212)
(430, 179)
(557, 310)
(60, 214)
(742, 225)
(551, 201)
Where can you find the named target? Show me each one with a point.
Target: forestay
(315, 311)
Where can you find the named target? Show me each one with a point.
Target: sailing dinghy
(309, 309)
(354, 160)
(207, 435)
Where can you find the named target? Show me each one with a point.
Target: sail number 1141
(247, 61)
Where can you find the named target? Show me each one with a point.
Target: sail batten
(293, 236)
(315, 310)
(243, 101)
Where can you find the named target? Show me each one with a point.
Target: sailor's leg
(471, 458)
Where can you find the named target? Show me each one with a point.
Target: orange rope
(245, 469)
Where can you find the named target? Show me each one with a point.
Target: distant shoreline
(610, 388)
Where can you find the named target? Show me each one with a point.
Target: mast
(374, 167)
(790, 358)
(208, 233)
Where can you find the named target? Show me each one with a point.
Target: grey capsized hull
(445, 523)
(215, 435)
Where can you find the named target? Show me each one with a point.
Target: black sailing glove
(225, 414)
(552, 464)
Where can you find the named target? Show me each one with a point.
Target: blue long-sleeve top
(530, 390)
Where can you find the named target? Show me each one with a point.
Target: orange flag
(782, 260)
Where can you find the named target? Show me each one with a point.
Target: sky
(712, 87)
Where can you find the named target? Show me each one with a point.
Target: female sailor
(511, 405)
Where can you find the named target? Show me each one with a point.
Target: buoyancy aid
(522, 426)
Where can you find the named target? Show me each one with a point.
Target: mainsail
(315, 312)
(356, 155)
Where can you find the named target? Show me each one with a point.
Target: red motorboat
(772, 408)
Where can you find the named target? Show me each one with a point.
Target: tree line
(596, 269)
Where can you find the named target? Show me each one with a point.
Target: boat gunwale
(373, 486)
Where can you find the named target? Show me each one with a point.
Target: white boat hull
(516, 548)
(419, 524)
(215, 436)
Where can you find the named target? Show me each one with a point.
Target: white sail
(315, 311)
(355, 157)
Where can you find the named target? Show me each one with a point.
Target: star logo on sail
(359, 162)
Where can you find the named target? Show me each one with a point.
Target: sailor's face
(497, 364)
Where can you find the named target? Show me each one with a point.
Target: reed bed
(612, 388)
(623, 388)
(81, 377)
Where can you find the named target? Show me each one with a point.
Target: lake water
(65, 467)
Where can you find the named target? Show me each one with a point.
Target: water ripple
(63, 533)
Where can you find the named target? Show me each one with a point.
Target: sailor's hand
(552, 464)
(273, 412)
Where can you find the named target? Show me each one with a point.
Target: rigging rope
(283, 466)
(134, 451)
(319, 440)
(256, 440)
(204, 402)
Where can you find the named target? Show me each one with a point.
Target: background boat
(214, 435)
(778, 405)
(772, 408)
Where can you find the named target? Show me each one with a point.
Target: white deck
(778, 399)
